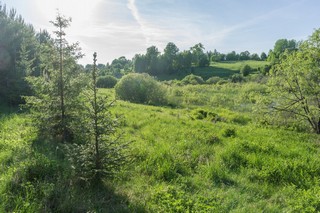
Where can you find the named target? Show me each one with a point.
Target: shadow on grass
(213, 71)
(204, 72)
(45, 183)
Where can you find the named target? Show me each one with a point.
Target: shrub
(236, 78)
(141, 88)
(265, 69)
(245, 70)
(107, 81)
(192, 79)
(213, 80)
(204, 62)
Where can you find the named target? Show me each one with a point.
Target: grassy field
(220, 69)
(208, 154)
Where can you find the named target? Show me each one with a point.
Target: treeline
(280, 47)
(172, 60)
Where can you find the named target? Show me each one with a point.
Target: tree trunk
(62, 107)
(318, 127)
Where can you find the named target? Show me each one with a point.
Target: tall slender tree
(61, 23)
(55, 100)
(99, 152)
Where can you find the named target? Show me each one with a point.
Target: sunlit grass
(209, 153)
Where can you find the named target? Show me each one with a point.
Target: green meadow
(209, 153)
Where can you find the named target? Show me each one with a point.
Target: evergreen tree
(17, 51)
(99, 153)
(55, 101)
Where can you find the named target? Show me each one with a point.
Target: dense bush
(236, 78)
(192, 79)
(107, 81)
(245, 70)
(204, 62)
(213, 80)
(141, 88)
(265, 69)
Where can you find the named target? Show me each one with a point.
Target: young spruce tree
(101, 153)
(54, 104)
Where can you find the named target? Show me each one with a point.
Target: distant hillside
(220, 69)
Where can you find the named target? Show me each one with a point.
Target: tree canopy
(294, 82)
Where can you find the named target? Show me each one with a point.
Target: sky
(115, 28)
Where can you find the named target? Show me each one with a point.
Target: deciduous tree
(294, 82)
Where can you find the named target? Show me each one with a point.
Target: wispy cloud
(153, 34)
(135, 13)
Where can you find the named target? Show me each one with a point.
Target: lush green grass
(229, 164)
(35, 175)
(236, 65)
(220, 69)
(208, 154)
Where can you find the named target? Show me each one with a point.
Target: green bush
(213, 80)
(237, 78)
(265, 69)
(141, 88)
(192, 79)
(245, 70)
(107, 81)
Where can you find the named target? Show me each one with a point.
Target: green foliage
(192, 79)
(141, 88)
(107, 81)
(99, 153)
(232, 56)
(246, 70)
(283, 44)
(294, 83)
(213, 80)
(265, 69)
(54, 103)
(201, 114)
(237, 78)
(184, 161)
(263, 56)
(118, 67)
(181, 164)
(18, 48)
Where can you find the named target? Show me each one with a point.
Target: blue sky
(115, 28)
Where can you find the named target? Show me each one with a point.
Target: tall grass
(208, 153)
(186, 164)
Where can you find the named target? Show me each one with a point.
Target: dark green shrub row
(107, 81)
